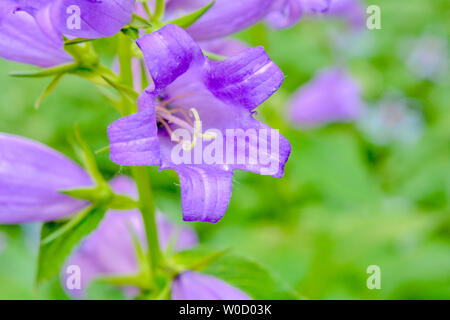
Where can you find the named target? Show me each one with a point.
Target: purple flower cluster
(31, 176)
(187, 91)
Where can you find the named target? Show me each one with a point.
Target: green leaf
(87, 157)
(138, 22)
(121, 202)
(53, 254)
(189, 19)
(71, 67)
(51, 86)
(239, 272)
(103, 196)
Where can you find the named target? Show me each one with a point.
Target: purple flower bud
(31, 31)
(31, 176)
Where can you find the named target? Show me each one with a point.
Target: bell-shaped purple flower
(31, 31)
(110, 250)
(224, 96)
(31, 176)
(332, 96)
(191, 285)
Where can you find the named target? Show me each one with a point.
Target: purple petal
(169, 53)
(196, 286)
(98, 18)
(205, 192)
(31, 175)
(332, 96)
(246, 79)
(226, 17)
(110, 249)
(24, 39)
(133, 139)
(223, 47)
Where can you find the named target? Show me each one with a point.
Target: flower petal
(223, 47)
(133, 139)
(98, 18)
(246, 79)
(31, 176)
(229, 16)
(22, 39)
(197, 286)
(169, 53)
(205, 192)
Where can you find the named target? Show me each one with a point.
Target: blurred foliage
(344, 203)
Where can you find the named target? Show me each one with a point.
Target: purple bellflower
(223, 95)
(31, 31)
(332, 96)
(110, 251)
(31, 175)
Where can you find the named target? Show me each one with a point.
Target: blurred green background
(345, 202)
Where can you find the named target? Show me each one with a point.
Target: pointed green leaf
(71, 67)
(51, 86)
(52, 255)
(190, 19)
(138, 22)
(87, 157)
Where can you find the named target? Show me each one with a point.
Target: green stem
(159, 10)
(147, 207)
(140, 174)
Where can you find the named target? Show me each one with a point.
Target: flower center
(166, 116)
